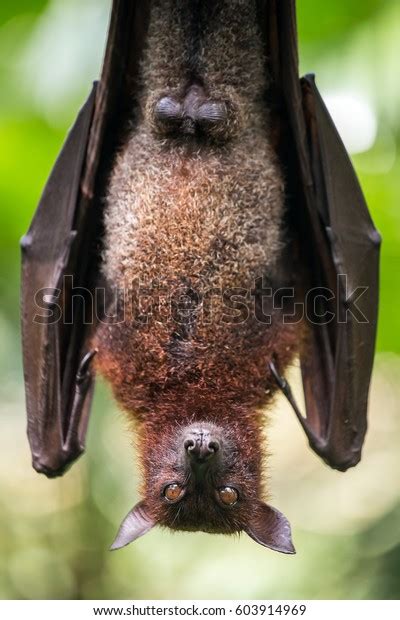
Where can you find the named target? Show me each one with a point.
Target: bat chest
(210, 216)
(187, 236)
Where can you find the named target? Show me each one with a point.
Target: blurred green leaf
(9, 10)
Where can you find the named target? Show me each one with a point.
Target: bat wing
(58, 387)
(339, 246)
(60, 256)
(337, 366)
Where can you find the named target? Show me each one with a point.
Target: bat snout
(201, 445)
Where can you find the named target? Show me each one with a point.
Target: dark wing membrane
(56, 427)
(61, 254)
(340, 209)
(336, 237)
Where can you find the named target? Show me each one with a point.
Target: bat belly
(189, 233)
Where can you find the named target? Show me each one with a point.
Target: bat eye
(173, 492)
(228, 495)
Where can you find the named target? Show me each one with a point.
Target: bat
(202, 227)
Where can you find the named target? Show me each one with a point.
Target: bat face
(199, 479)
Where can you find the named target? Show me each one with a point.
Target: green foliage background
(54, 535)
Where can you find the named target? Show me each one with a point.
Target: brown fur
(189, 215)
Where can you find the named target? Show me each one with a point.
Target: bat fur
(196, 204)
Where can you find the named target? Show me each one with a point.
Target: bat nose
(200, 447)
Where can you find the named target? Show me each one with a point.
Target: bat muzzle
(201, 445)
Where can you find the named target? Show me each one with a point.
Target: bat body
(219, 200)
(194, 213)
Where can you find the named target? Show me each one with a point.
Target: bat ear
(136, 523)
(270, 528)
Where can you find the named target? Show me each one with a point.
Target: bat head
(201, 478)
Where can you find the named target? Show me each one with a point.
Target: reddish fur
(152, 389)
